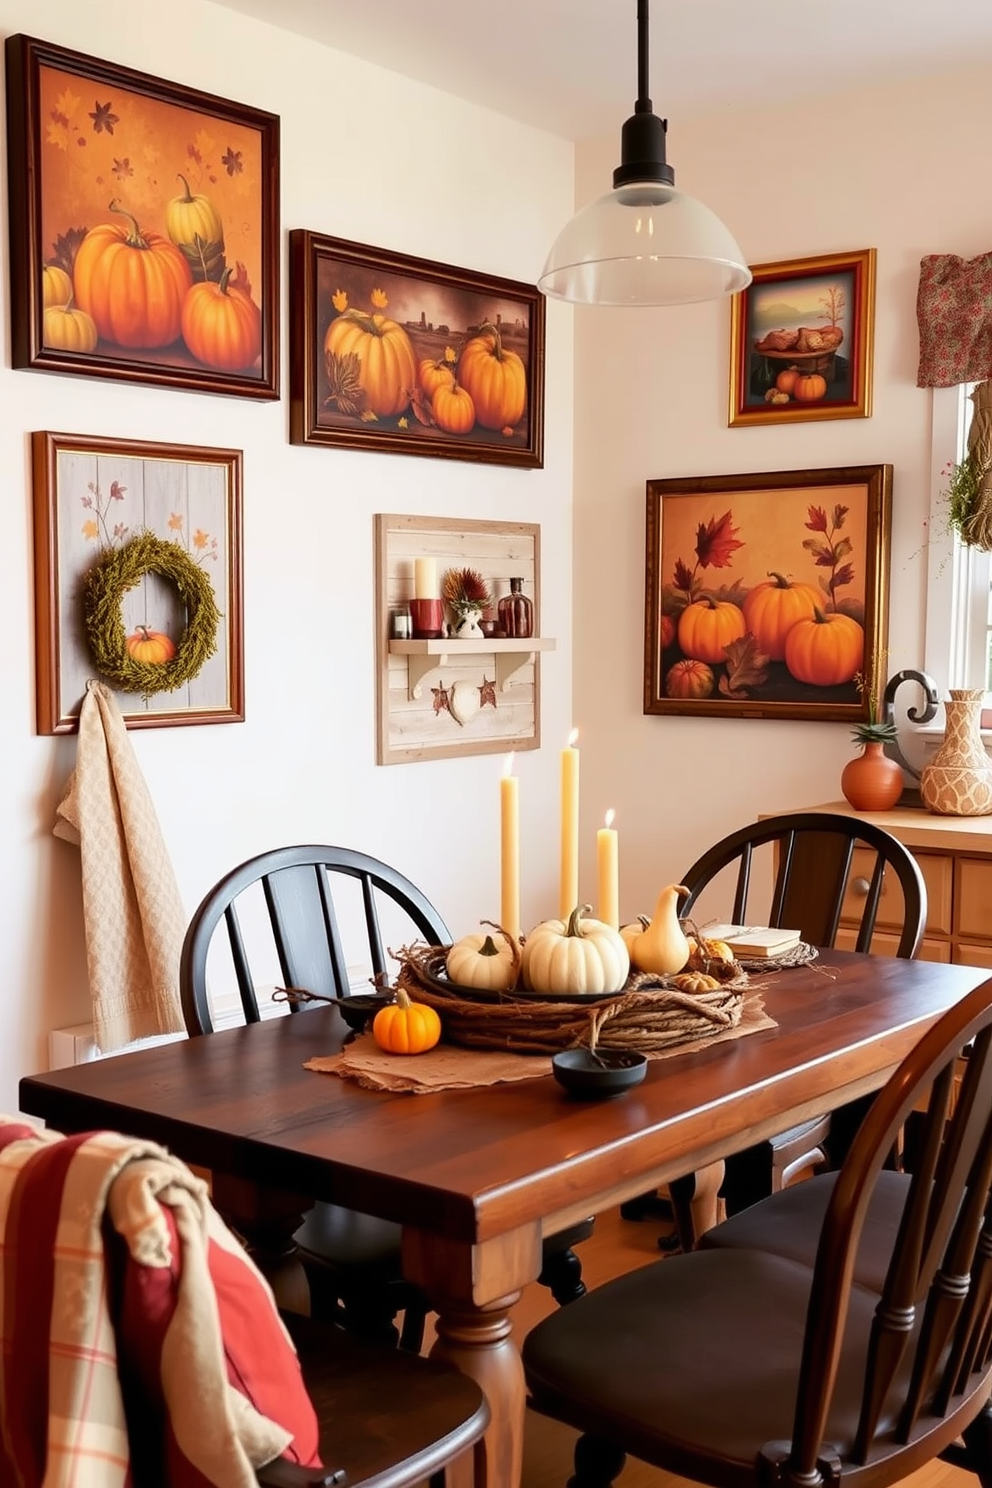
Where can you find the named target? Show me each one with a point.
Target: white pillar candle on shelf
(569, 881)
(425, 578)
(509, 836)
(608, 871)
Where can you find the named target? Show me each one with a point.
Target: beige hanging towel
(132, 913)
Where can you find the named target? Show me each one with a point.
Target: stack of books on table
(754, 941)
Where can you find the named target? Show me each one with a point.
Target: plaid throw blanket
(61, 1408)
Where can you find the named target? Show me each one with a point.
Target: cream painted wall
(895, 168)
(374, 158)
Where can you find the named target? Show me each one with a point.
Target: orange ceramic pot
(872, 781)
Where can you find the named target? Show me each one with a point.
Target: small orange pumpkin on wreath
(114, 655)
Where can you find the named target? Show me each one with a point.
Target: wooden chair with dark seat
(823, 864)
(306, 917)
(858, 1361)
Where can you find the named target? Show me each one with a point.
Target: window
(959, 578)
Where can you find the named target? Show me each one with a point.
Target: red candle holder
(427, 617)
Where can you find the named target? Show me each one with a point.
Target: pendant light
(643, 243)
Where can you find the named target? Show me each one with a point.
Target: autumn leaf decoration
(65, 248)
(747, 666)
(828, 550)
(716, 544)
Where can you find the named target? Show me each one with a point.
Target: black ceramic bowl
(592, 1076)
(361, 1007)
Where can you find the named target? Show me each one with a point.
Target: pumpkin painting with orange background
(123, 175)
(762, 594)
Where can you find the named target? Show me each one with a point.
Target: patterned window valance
(954, 311)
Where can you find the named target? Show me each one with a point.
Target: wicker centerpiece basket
(648, 1014)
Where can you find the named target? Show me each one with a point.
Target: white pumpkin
(579, 957)
(477, 961)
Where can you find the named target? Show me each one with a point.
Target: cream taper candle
(509, 837)
(569, 882)
(608, 873)
(425, 578)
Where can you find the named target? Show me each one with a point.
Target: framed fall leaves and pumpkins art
(144, 226)
(406, 356)
(766, 595)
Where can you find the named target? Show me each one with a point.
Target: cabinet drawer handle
(860, 886)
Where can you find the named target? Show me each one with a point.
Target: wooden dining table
(476, 1177)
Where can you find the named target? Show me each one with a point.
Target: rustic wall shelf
(446, 697)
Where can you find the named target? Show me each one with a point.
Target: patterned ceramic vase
(871, 781)
(958, 780)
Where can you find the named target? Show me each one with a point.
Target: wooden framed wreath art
(137, 580)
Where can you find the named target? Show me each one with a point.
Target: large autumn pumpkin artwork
(766, 593)
(152, 240)
(403, 355)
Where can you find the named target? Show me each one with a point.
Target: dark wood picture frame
(65, 108)
(446, 320)
(736, 562)
(93, 494)
(801, 340)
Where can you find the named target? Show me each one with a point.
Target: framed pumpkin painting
(144, 226)
(406, 356)
(801, 339)
(766, 595)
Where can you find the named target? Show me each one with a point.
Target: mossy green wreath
(104, 588)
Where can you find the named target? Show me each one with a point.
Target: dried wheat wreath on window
(104, 588)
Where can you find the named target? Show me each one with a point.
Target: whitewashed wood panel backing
(428, 727)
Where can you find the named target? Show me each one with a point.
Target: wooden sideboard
(955, 858)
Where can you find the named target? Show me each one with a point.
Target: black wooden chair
(291, 916)
(815, 878)
(858, 1360)
(809, 858)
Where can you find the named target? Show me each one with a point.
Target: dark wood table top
(473, 1164)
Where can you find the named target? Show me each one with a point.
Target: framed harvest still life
(406, 356)
(801, 340)
(138, 563)
(766, 594)
(144, 226)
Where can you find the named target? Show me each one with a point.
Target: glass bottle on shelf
(516, 612)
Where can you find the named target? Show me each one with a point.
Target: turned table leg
(474, 1288)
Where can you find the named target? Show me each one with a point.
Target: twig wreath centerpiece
(104, 587)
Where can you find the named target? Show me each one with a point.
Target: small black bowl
(361, 1007)
(593, 1076)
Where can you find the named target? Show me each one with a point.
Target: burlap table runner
(448, 1068)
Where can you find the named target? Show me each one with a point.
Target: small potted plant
(467, 595)
(872, 781)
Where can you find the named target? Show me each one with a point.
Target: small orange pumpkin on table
(406, 1027)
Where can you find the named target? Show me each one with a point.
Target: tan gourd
(662, 947)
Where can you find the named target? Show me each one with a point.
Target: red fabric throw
(954, 312)
(134, 1328)
(260, 1361)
